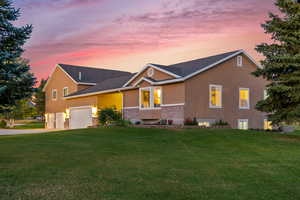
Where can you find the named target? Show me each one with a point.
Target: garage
(81, 117)
(50, 120)
(59, 120)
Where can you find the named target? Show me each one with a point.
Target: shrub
(3, 124)
(190, 122)
(109, 116)
(220, 123)
(170, 122)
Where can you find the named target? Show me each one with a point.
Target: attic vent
(79, 76)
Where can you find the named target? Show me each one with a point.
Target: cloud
(77, 31)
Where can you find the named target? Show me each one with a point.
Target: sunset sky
(127, 34)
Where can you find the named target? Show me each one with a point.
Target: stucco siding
(231, 78)
(58, 81)
(82, 101)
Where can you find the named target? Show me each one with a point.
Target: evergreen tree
(16, 82)
(39, 98)
(281, 66)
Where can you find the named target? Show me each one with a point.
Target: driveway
(22, 131)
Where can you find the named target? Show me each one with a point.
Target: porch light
(67, 114)
(94, 111)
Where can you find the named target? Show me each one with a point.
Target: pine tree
(39, 99)
(281, 66)
(16, 82)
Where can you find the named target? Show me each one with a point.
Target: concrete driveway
(23, 131)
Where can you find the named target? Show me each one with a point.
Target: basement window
(268, 125)
(243, 124)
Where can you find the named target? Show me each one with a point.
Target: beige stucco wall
(231, 78)
(58, 81)
(83, 101)
(131, 98)
(173, 93)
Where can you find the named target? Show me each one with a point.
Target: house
(218, 87)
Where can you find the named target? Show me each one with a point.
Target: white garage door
(60, 121)
(81, 117)
(50, 120)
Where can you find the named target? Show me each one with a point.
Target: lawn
(144, 164)
(31, 125)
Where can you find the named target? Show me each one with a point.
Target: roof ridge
(230, 52)
(89, 67)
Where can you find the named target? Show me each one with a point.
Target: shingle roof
(186, 68)
(91, 75)
(108, 84)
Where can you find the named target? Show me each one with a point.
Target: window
(79, 76)
(244, 102)
(65, 91)
(265, 94)
(150, 97)
(267, 125)
(215, 96)
(157, 97)
(54, 94)
(204, 124)
(243, 124)
(239, 61)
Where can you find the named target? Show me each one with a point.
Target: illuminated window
(157, 97)
(54, 94)
(239, 61)
(215, 96)
(66, 91)
(150, 97)
(243, 124)
(244, 102)
(204, 124)
(268, 125)
(145, 98)
(265, 94)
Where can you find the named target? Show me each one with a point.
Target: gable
(58, 77)
(230, 71)
(157, 76)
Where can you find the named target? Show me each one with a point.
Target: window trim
(151, 89)
(239, 61)
(54, 90)
(221, 95)
(243, 120)
(64, 91)
(248, 107)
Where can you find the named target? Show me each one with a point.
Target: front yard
(140, 164)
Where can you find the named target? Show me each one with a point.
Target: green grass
(143, 164)
(31, 125)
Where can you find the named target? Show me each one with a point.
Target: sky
(128, 34)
